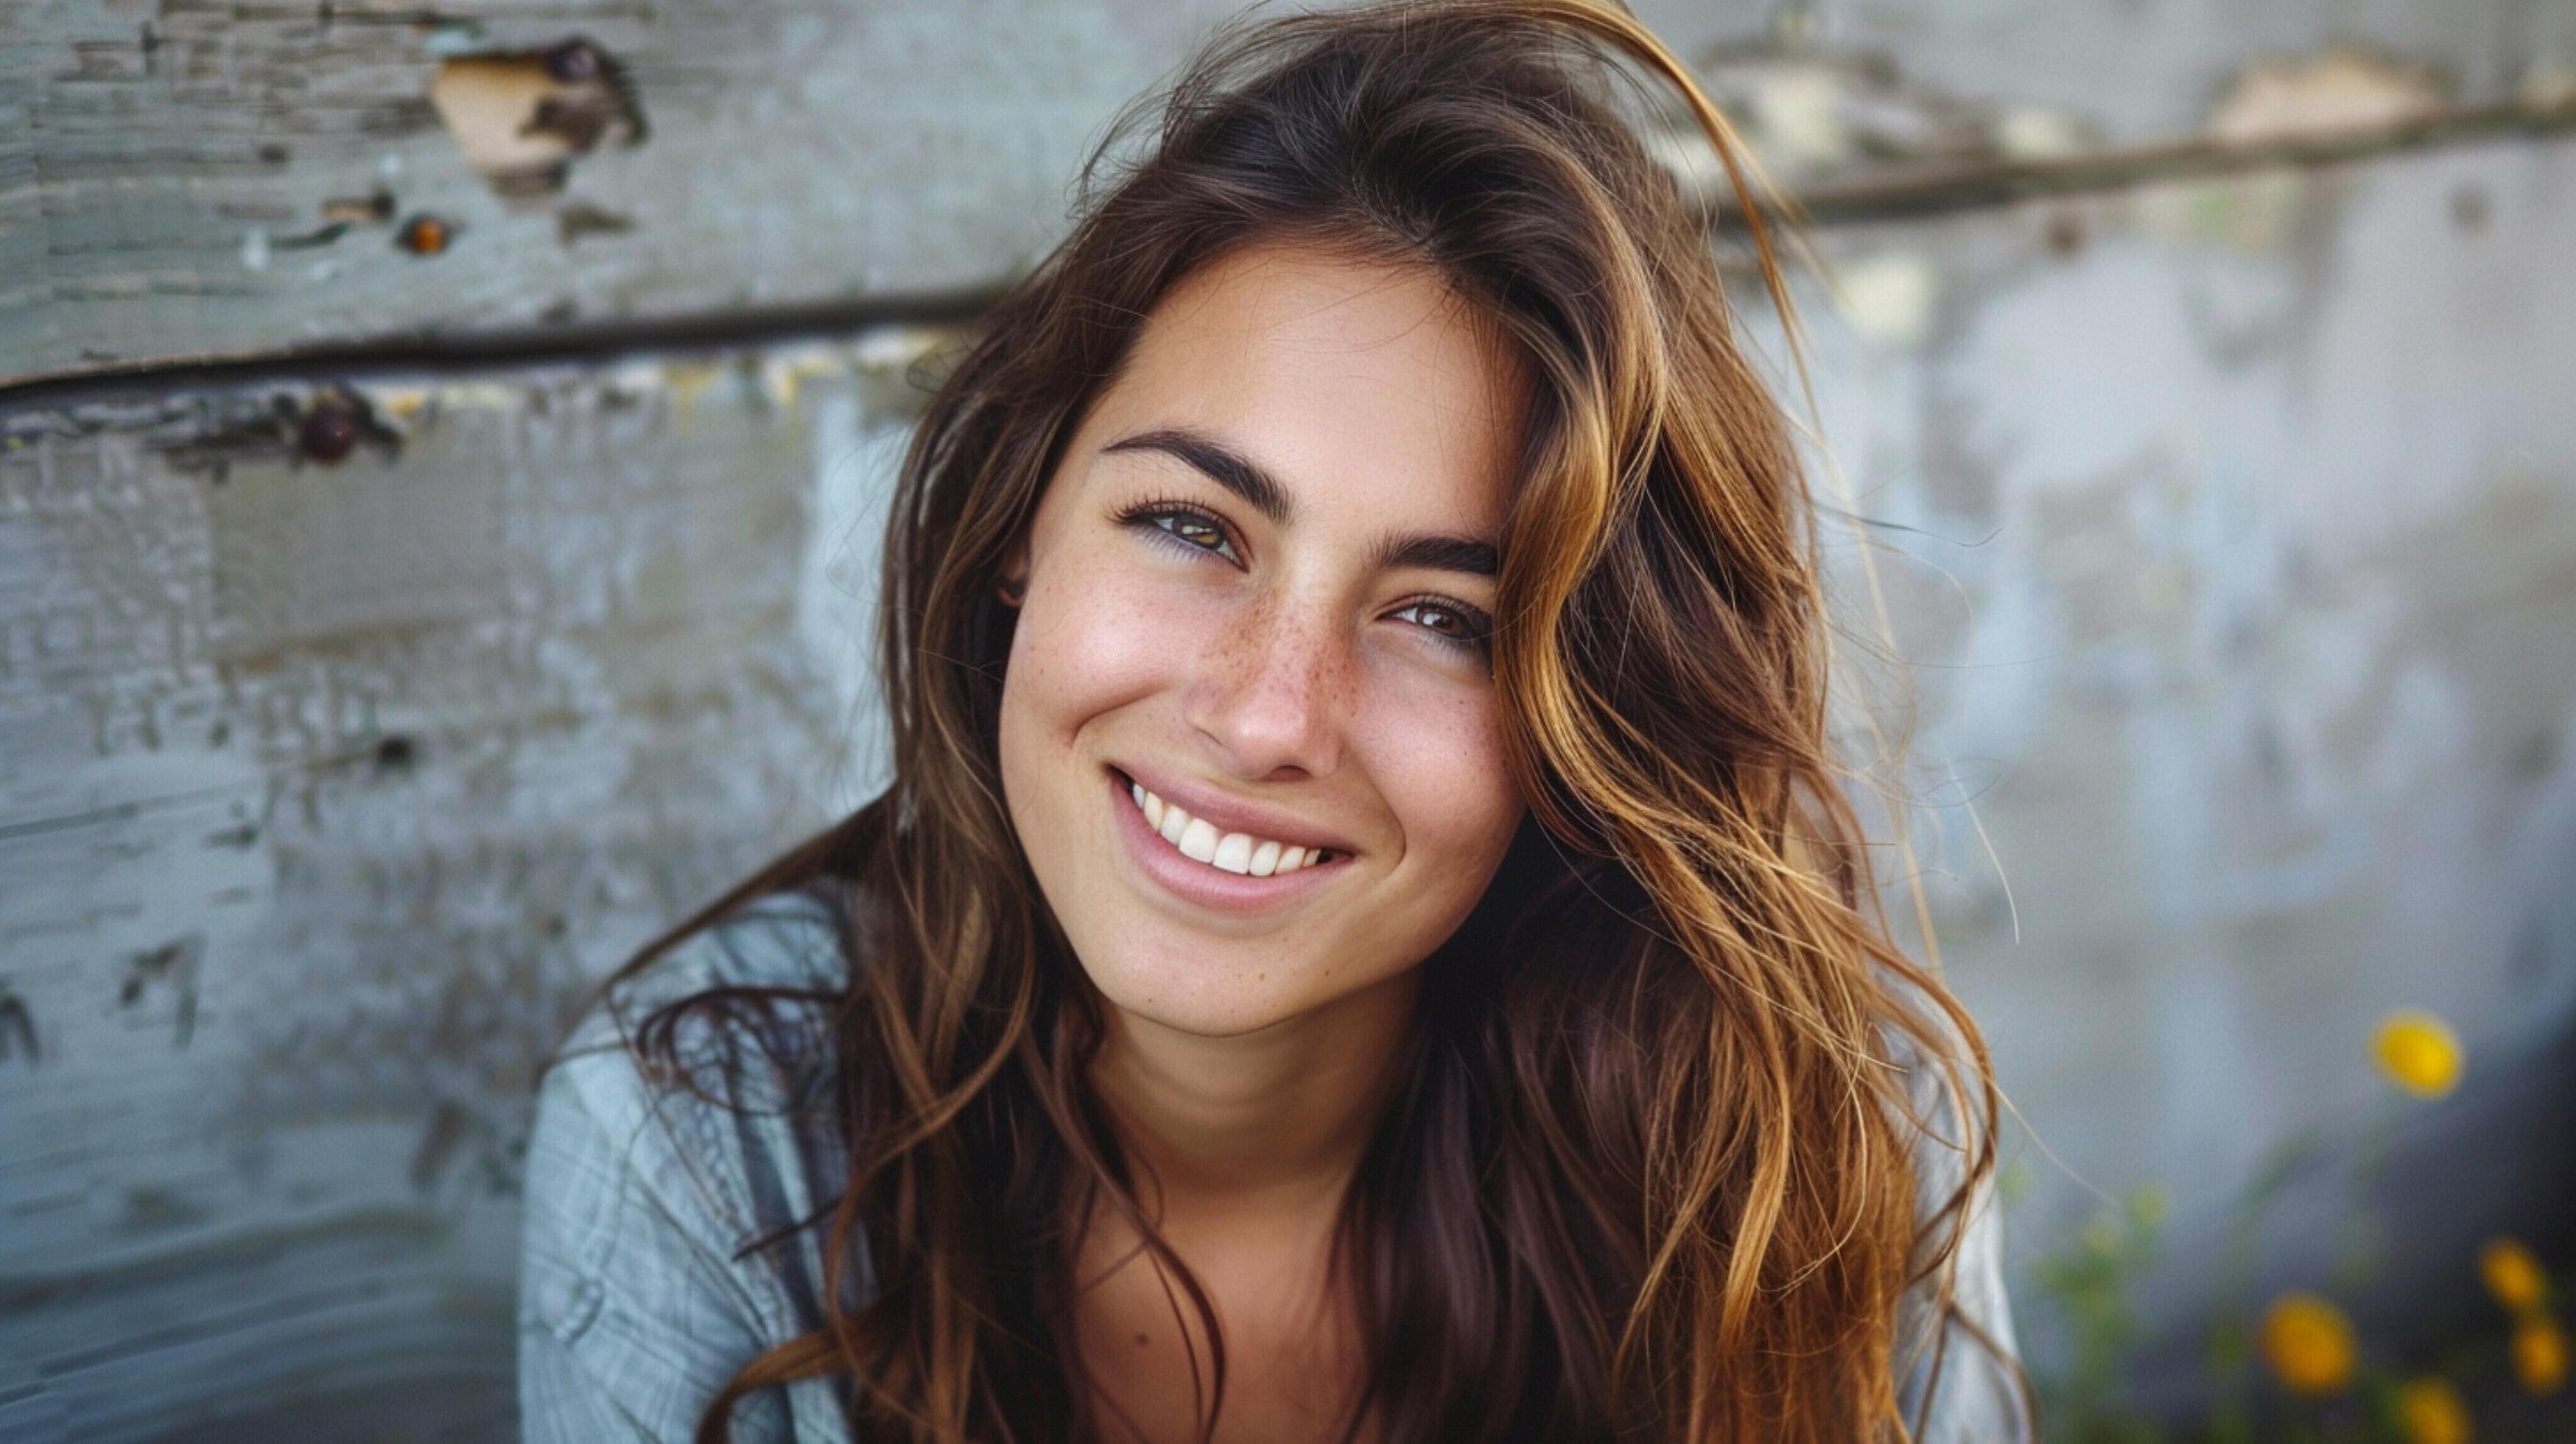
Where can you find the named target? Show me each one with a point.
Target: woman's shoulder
(779, 943)
(682, 1136)
(733, 1018)
(718, 1049)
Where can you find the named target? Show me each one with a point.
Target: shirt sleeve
(1958, 1365)
(632, 1312)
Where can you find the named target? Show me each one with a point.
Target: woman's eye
(1187, 527)
(1452, 624)
(1198, 531)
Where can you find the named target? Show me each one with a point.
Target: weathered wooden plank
(325, 788)
(2234, 534)
(199, 180)
(222, 179)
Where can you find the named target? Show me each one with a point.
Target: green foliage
(2087, 1282)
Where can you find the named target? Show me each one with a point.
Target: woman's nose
(1273, 690)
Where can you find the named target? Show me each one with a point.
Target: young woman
(1365, 940)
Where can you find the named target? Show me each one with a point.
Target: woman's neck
(1274, 1119)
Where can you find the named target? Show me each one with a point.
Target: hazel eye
(1190, 527)
(1454, 625)
(1182, 526)
(1436, 617)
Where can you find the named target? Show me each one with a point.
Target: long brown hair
(1652, 1172)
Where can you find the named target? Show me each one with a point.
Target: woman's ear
(1014, 585)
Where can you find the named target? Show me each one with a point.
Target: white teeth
(1235, 852)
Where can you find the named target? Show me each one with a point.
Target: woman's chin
(1200, 996)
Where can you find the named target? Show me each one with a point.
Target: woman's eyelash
(1476, 630)
(1157, 512)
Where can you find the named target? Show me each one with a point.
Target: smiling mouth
(1198, 840)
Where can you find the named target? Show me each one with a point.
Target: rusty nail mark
(2065, 233)
(425, 235)
(322, 426)
(329, 434)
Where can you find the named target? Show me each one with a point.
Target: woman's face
(1257, 588)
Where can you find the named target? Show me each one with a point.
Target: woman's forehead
(1337, 371)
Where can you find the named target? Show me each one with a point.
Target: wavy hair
(1652, 1172)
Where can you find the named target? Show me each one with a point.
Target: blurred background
(441, 462)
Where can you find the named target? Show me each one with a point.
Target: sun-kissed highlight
(1650, 1170)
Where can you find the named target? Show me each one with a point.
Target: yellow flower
(2308, 1343)
(2513, 1275)
(2430, 1412)
(2539, 1354)
(2418, 1052)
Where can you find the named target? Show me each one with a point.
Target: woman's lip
(1227, 814)
(1198, 883)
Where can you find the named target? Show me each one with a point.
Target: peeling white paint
(2039, 132)
(2342, 89)
(1889, 299)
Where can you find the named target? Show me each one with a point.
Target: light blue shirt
(638, 1301)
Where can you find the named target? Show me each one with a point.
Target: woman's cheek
(1105, 634)
(1436, 748)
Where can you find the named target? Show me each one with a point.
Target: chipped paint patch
(784, 373)
(2341, 90)
(896, 348)
(1889, 299)
(2039, 132)
(522, 118)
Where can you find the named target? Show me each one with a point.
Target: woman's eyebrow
(1244, 477)
(1220, 463)
(1438, 554)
